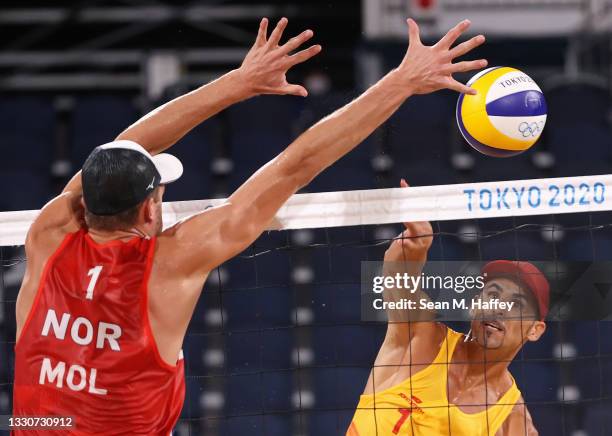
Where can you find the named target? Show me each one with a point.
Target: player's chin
(490, 337)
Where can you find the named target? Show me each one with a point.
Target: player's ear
(149, 208)
(536, 331)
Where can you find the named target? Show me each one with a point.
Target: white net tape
(383, 206)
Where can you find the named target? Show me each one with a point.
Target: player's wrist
(241, 84)
(399, 84)
(403, 254)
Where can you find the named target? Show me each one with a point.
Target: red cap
(528, 274)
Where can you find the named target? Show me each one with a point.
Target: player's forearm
(336, 135)
(164, 126)
(270, 187)
(402, 270)
(405, 275)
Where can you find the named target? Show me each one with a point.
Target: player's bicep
(397, 348)
(399, 334)
(218, 234)
(257, 200)
(61, 215)
(405, 323)
(74, 185)
(419, 338)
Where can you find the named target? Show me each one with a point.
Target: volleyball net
(278, 344)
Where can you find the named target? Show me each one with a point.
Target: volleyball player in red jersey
(107, 295)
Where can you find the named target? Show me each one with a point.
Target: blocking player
(107, 295)
(430, 380)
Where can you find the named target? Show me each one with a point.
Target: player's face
(499, 327)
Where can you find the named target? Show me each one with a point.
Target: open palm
(266, 64)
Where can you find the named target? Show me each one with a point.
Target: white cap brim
(169, 167)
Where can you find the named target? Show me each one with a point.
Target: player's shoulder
(195, 242)
(175, 254)
(168, 242)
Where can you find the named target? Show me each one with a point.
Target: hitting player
(107, 295)
(430, 380)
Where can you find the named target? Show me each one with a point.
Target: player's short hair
(119, 221)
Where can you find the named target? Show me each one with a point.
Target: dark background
(276, 346)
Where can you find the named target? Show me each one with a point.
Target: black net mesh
(277, 346)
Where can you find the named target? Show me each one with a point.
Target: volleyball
(507, 115)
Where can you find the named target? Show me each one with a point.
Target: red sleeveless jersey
(87, 350)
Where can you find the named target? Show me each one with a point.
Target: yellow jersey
(419, 405)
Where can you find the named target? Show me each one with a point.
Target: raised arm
(164, 126)
(220, 233)
(407, 254)
(413, 337)
(263, 71)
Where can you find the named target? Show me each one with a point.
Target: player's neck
(481, 361)
(103, 236)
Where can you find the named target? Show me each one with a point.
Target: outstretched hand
(265, 66)
(430, 68)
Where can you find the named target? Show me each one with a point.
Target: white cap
(169, 167)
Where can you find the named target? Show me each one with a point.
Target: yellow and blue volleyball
(506, 117)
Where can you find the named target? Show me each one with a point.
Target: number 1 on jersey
(94, 273)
